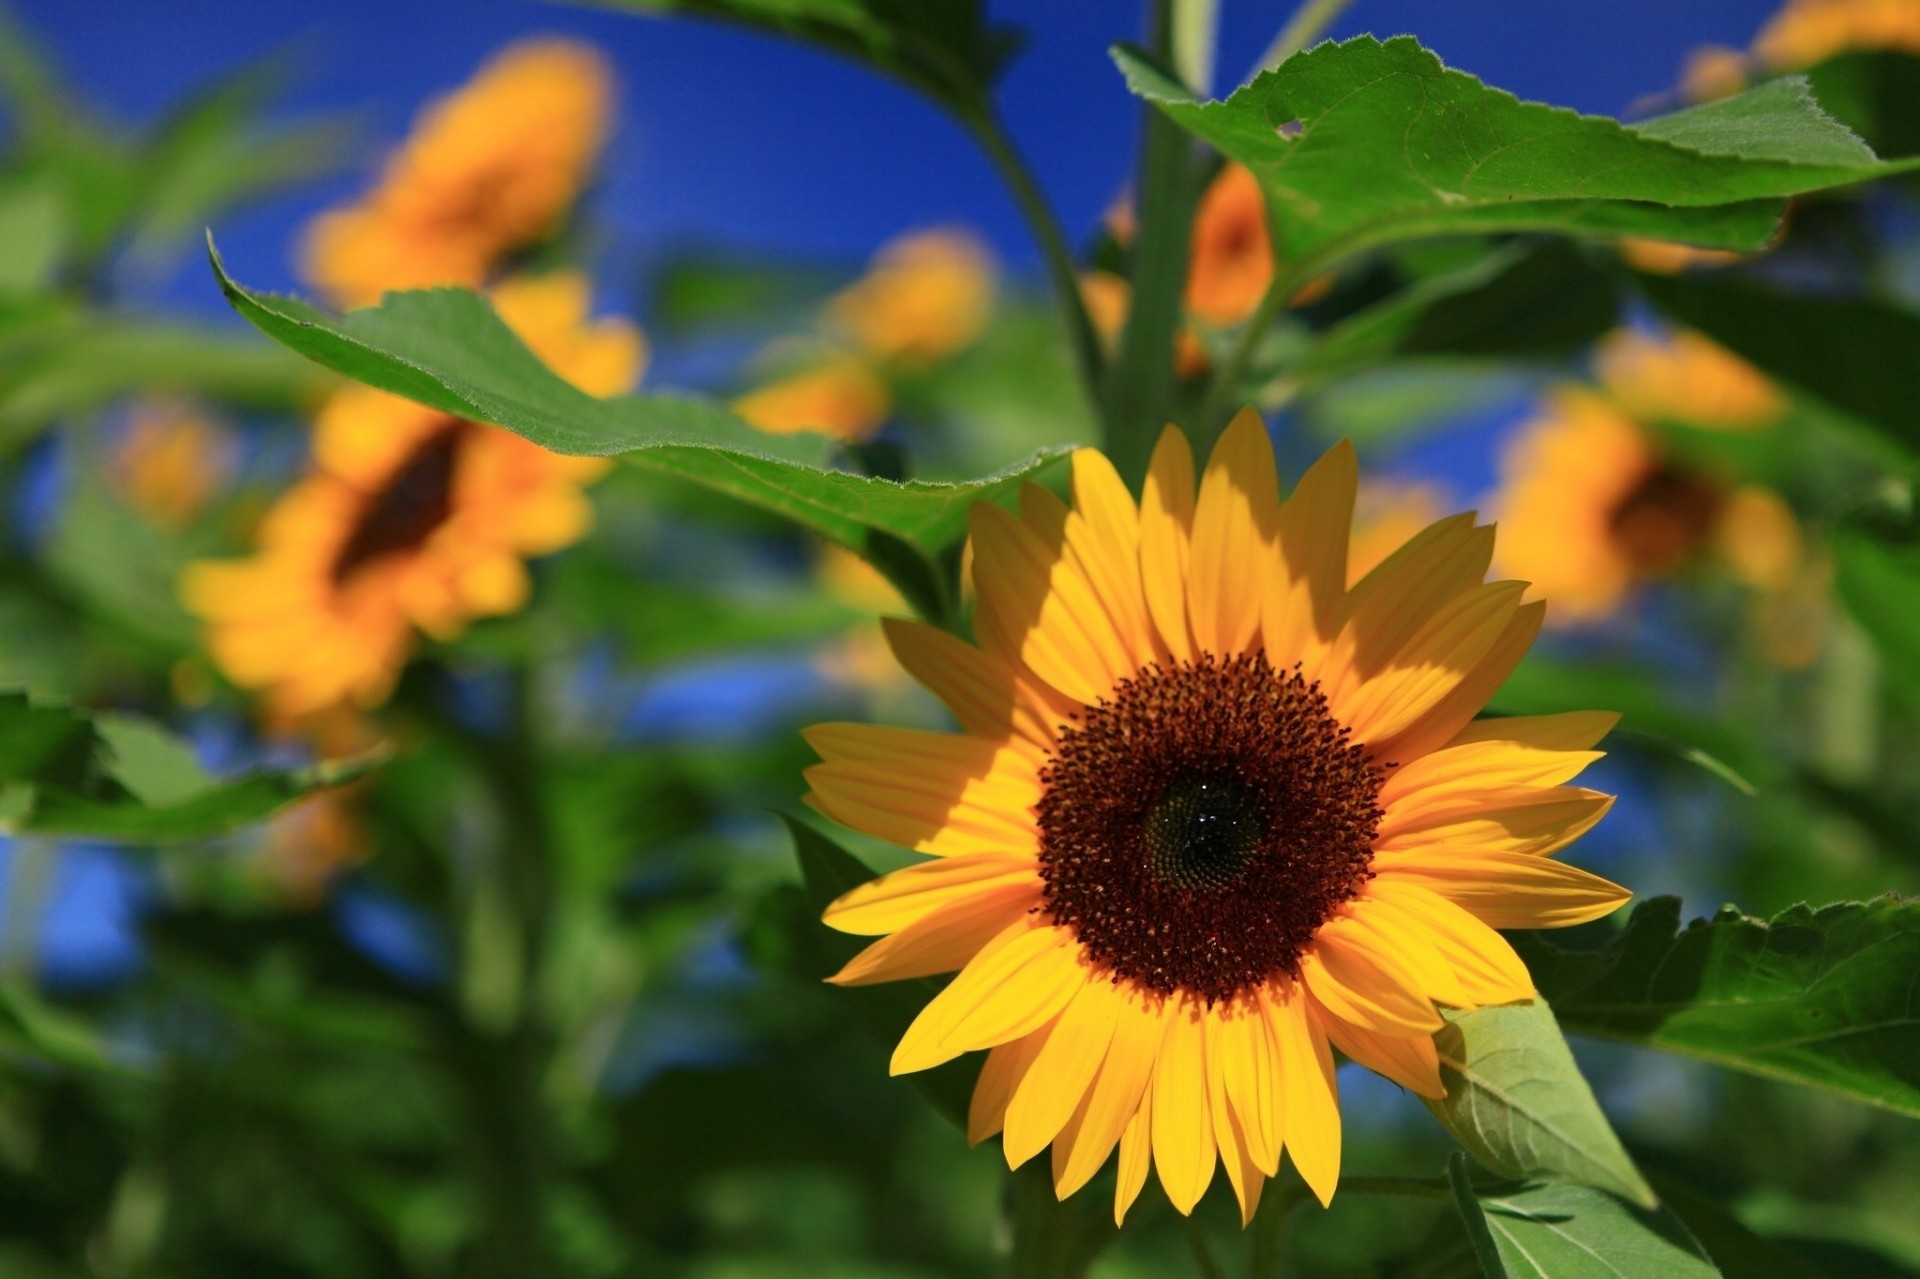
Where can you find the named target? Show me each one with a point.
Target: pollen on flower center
(406, 511)
(1200, 825)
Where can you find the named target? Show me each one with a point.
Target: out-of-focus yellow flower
(1713, 72)
(1664, 257)
(411, 520)
(1232, 258)
(1687, 378)
(1386, 515)
(311, 844)
(861, 658)
(1805, 32)
(1758, 537)
(926, 296)
(490, 168)
(1108, 296)
(170, 462)
(841, 396)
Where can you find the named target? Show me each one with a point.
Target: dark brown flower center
(1200, 825)
(1664, 519)
(403, 514)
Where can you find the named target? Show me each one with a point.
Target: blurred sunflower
(925, 297)
(491, 168)
(1805, 32)
(410, 519)
(171, 461)
(1232, 258)
(1210, 816)
(839, 396)
(1592, 504)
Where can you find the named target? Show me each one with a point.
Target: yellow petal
(1395, 945)
(1243, 1173)
(1568, 731)
(1408, 1060)
(1136, 1156)
(1442, 779)
(1103, 533)
(1063, 1072)
(1443, 652)
(895, 900)
(1309, 1104)
(1118, 1094)
(1251, 1074)
(1183, 1146)
(1508, 890)
(1235, 524)
(1538, 820)
(1035, 605)
(1488, 969)
(1005, 1067)
(942, 940)
(1019, 981)
(1353, 985)
(1166, 529)
(1388, 606)
(1453, 712)
(941, 793)
(987, 694)
(1303, 606)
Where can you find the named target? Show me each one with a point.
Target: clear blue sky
(742, 140)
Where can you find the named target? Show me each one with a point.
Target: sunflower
(171, 461)
(925, 297)
(1232, 256)
(1211, 815)
(1593, 504)
(489, 169)
(839, 395)
(1806, 32)
(410, 520)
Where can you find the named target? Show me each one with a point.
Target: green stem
(1055, 250)
(1051, 1239)
(1196, 25)
(1138, 398)
(1227, 379)
(1309, 22)
(1267, 1253)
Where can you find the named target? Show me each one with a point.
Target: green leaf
(1852, 353)
(944, 48)
(890, 1007)
(1879, 581)
(1822, 997)
(1517, 1102)
(1364, 143)
(447, 349)
(1523, 300)
(33, 227)
(1558, 1230)
(1474, 1218)
(1737, 1251)
(1876, 93)
(114, 777)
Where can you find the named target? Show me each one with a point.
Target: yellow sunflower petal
(1354, 984)
(1251, 1073)
(1303, 603)
(983, 690)
(1118, 1095)
(1488, 969)
(1389, 605)
(1063, 1072)
(1567, 731)
(1309, 1104)
(1104, 535)
(1006, 1065)
(1538, 820)
(1442, 653)
(944, 939)
(906, 896)
(1136, 1158)
(1166, 530)
(940, 793)
(1019, 981)
(1453, 712)
(1235, 523)
(1446, 777)
(1408, 1060)
(1183, 1147)
(1243, 1172)
(1508, 890)
(1399, 947)
(1035, 605)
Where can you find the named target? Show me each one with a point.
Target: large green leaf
(1559, 1230)
(1364, 142)
(115, 777)
(1522, 300)
(1517, 1102)
(944, 48)
(1825, 997)
(447, 349)
(1855, 354)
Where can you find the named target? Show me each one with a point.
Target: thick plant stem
(1138, 399)
(1055, 250)
(1051, 1239)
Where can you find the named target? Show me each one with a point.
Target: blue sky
(735, 139)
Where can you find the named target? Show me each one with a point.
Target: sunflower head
(1212, 814)
(489, 169)
(410, 520)
(926, 296)
(1232, 260)
(1806, 32)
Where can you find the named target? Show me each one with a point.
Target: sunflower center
(1198, 826)
(404, 513)
(1664, 519)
